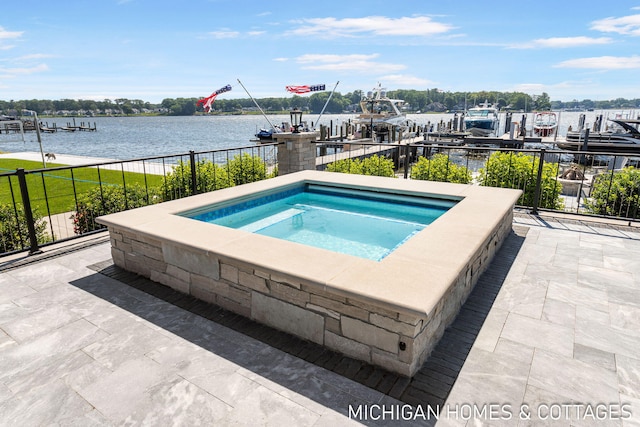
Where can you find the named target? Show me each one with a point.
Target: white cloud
(363, 67)
(327, 58)
(562, 90)
(4, 34)
(224, 34)
(22, 71)
(602, 63)
(404, 80)
(530, 88)
(281, 59)
(375, 25)
(625, 25)
(354, 62)
(8, 35)
(563, 42)
(230, 34)
(32, 56)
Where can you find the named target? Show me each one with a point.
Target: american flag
(304, 88)
(206, 102)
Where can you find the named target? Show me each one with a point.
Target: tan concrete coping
(412, 279)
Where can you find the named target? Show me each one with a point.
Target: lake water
(137, 137)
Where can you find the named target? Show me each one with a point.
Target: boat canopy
(625, 124)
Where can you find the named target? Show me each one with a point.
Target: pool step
(271, 220)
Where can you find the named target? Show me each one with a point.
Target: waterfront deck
(359, 148)
(83, 343)
(353, 150)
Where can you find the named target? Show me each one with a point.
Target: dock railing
(44, 206)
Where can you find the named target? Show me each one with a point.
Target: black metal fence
(600, 184)
(43, 206)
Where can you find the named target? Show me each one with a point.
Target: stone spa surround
(389, 313)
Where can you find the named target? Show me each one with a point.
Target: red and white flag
(304, 88)
(206, 102)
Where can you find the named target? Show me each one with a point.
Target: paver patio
(79, 347)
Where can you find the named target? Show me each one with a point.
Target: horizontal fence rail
(600, 184)
(43, 206)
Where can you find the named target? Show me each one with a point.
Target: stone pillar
(296, 151)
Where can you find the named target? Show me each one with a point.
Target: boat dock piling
(451, 132)
(347, 135)
(28, 125)
(70, 127)
(83, 127)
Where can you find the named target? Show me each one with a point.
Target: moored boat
(481, 120)
(622, 137)
(381, 113)
(266, 134)
(545, 123)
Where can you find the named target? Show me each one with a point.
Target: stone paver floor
(80, 348)
(561, 344)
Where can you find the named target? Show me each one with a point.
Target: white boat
(545, 123)
(481, 120)
(622, 137)
(381, 113)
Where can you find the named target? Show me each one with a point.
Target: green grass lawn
(60, 187)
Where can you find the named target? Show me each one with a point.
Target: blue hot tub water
(363, 223)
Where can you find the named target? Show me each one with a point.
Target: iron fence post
(406, 161)
(536, 194)
(194, 179)
(28, 215)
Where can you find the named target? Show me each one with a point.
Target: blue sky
(156, 49)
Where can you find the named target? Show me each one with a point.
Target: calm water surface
(340, 222)
(136, 137)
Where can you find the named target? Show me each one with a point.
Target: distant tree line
(431, 100)
(43, 106)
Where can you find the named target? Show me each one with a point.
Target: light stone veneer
(389, 313)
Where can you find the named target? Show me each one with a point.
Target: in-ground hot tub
(364, 223)
(388, 310)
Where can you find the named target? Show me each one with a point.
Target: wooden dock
(29, 125)
(70, 127)
(359, 148)
(504, 141)
(351, 151)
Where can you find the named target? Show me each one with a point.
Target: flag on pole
(304, 88)
(206, 102)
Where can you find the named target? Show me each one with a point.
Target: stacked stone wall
(371, 331)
